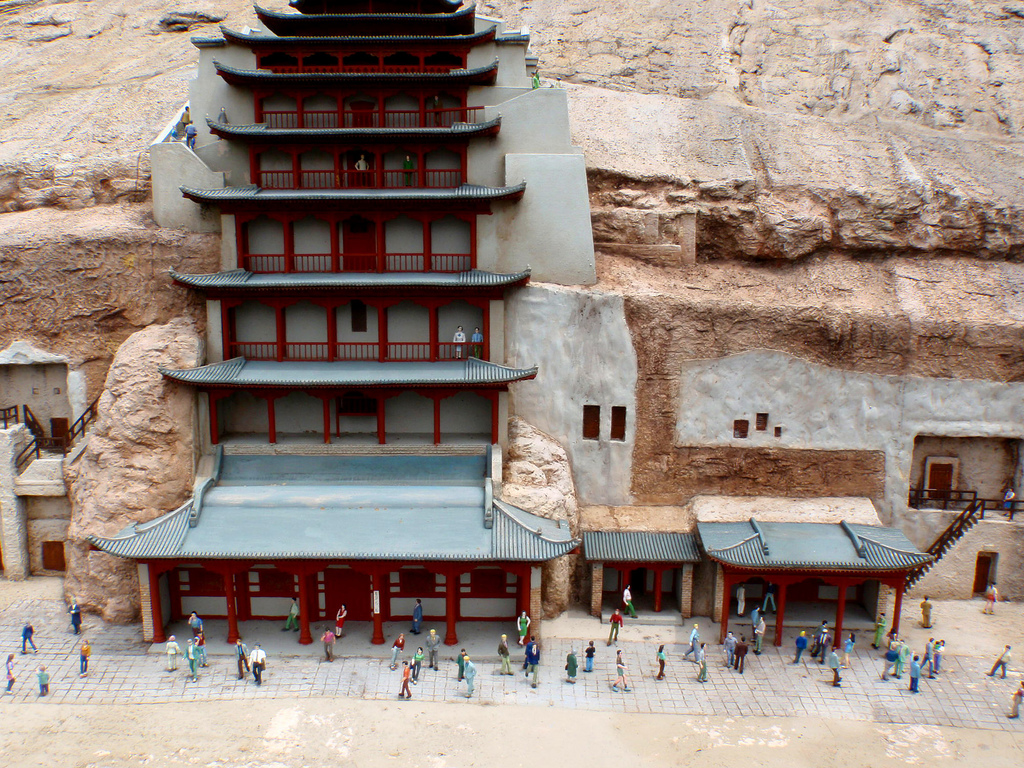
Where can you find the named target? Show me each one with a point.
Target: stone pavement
(123, 671)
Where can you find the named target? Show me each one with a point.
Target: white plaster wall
(41, 386)
(580, 341)
(208, 92)
(465, 413)
(409, 413)
(547, 230)
(244, 414)
(345, 332)
(450, 235)
(228, 243)
(13, 528)
(408, 322)
(273, 607)
(403, 235)
(40, 531)
(266, 236)
(173, 166)
(305, 322)
(214, 332)
(450, 316)
(986, 464)
(204, 606)
(255, 322)
(298, 412)
(402, 607)
(487, 607)
(312, 235)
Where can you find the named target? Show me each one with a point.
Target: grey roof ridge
(396, 191)
(731, 547)
(510, 510)
(137, 529)
(909, 552)
(456, 127)
(858, 543)
(471, 8)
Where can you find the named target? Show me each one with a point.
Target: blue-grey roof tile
(640, 546)
(249, 281)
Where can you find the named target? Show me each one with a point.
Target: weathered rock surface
(136, 465)
(538, 478)
(78, 283)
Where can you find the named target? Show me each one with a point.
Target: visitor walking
(1018, 695)
(27, 632)
(505, 656)
(417, 665)
(404, 692)
(741, 599)
(1001, 662)
(991, 598)
(533, 661)
(851, 641)
(769, 597)
(801, 646)
(417, 616)
(328, 638)
(397, 648)
(588, 657)
(616, 624)
(627, 601)
(889, 662)
(741, 654)
(173, 651)
(201, 649)
(258, 662)
(192, 656)
(926, 662)
(940, 647)
(470, 677)
(702, 673)
(523, 626)
(10, 672)
(903, 657)
(44, 681)
(879, 631)
(620, 673)
(76, 616)
(195, 623)
(729, 649)
(242, 658)
(661, 663)
(572, 666)
(833, 662)
(292, 622)
(84, 652)
(759, 631)
(915, 673)
(433, 643)
(461, 661)
(694, 643)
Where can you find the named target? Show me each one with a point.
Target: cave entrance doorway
(984, 571)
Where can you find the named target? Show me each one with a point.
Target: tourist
(991, 597)
(1014, 702)
(190, 136)
(926, 662)
(84, 652)
(477, 340)
(741, 654)
(889, 662)
(620, 673)
(44, 681)
(879, 631)
(292, 622)
(903, 656)
(940, 647)
(397, 648)
(694, 643)
(848, 649)
(523, 626)
(195, 623)
(1001, 662)
(242, 658)
(10, 672)
(616, 624)
(470, 676)
(173, 650)
(433, 642)
(404, 692)
(339, 621)
(572, 666)
(417, 664)
(769, 597)
(505, 656)
(192, 656)
(820, 637)
(1008, 498)
(926, 613)
(755, 617)
(26, 638)
(915, 673)
(201, 649)
(661, 663)
(588, 660)
(825, 642)
(833, 662)
(533, 661)
(461, 661)
(459, 339)
(258, 662)
(702, 673)
(801, 646)
(729, 649)
(759, 631)
(741, 599)
(76, 616)
(417, 616)
(627, 601)
(328, 638)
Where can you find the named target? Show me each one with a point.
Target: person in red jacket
(405, 693)
(616, 622)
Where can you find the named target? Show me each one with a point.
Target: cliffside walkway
(124, 670)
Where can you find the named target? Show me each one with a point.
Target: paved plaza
(125, 670)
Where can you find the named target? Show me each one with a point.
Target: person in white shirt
(459, 340)
(258, 662)
(627, 600)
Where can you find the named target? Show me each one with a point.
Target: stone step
(43, 477)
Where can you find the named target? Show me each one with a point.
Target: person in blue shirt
(477, 340)
(801, 646)
(915, 673)
(533, 661)
(26, 637)
(417, 616)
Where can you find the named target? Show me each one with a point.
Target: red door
(363, 113)
(940, 480)
(344, 585)
(359, 245)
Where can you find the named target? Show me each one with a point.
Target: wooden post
(281, 331)
(229, 595)
(898, 609)
(780, 613)
(305, 637)
(214, 431)
(271, 420)
(381, 423)
(726, 590)
(156, 605)
(437, 419)
(451, 596)
(327, 419)
(657, 589)
(840, 612)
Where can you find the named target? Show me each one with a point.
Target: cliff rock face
(538, 478)
(136, 465)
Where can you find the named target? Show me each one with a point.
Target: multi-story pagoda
(384, 172)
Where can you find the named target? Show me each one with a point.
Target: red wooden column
(840, 613)
(212, 397)
(229, 595)
(428, 247)
(898, 608)
(335, 234)
(382, 332)
(435, 342)
(271, 419)
(327, 418)
(485, 331)
(658, 573)
(332, 332)
(305, 637)
(155, 604)
(381, 247)
(451, 598)
(726, 594)
(381, 421)
(289, 230)
(781, 612)
(281, 331)
(437, 417)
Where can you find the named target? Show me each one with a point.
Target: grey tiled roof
(239, 372)
(252, 192)
(261, 131)
(453, 76)
(241, 279)
(468, 10)
(311, 41)
(819, 546)
(640, 547)
(336, 507)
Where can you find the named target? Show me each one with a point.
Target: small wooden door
(53, 555)
(940, 480)
(982, 571)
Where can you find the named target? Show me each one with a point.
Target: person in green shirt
(417, 663)
(44, 681)
(572, 665)
(503, 654)
(523, 625)
(470, 669)
(292, 622)
(461, 660)
(192, 655)
(661, 663)
(901, 659)
(879, 631)
(702, 675)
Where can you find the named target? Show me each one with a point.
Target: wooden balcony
(433, 178)
(358, 262)
(376, 118)
(394, 351)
